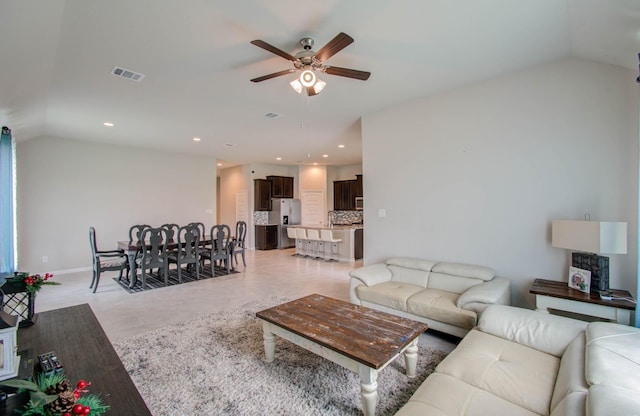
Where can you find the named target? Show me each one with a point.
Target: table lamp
(589, 239)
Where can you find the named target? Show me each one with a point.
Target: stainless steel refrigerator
(284, 212)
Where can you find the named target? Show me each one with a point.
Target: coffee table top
(366, 335)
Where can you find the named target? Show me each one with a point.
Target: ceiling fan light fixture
(307, 78)
(296, 85)
(319, 86)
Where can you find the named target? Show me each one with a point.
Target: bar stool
(332, 243)
(291, 233)
(314, 243)
(301, 241)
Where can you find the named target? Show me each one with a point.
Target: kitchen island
(351, 247)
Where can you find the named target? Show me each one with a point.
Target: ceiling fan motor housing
(307, 43)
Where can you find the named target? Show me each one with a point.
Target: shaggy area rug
(215, 365)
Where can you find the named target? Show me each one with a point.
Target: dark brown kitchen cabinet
(345, 193)
(358, 187)
(358, 244)
(342, 196)
(261, 195)
(281, 186)
(266, 237)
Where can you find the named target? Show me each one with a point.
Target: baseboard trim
(67, 271)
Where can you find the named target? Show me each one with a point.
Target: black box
(597, 265)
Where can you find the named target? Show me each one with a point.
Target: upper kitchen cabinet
(281, 186)
(358, 186)
(261, 195)
(342, 196)
(345, 193)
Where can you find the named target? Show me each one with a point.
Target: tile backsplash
(346, 217)
(260, 217)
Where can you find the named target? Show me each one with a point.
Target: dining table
(131, 249)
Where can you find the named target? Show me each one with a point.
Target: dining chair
(110, 260)
(188, 251)
(134, 237)
(239, 242)
(154, 253)
(221, 247)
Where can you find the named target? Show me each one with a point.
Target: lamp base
(597, 265)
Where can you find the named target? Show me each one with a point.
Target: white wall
(477, 174)
(66, 186)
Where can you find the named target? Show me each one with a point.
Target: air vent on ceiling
(128, 74)
(272, 115)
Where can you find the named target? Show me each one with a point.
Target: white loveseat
(519, 362)
(449, 297)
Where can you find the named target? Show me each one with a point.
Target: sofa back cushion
(408, 270)
(456, 277)
(613, 355)
(549, 333)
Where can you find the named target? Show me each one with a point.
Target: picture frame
(580, 279)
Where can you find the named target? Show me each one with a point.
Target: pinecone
(65, 400)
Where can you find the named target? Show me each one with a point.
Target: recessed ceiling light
(108, 124)
(325, 155)
(219, 164)
(340, 146)
(278, 158)
(196, 139)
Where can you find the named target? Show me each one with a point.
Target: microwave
(359, 203)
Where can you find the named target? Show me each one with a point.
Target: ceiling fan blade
(335, 45)
(346, 72)
(275, 74)
(264, 45)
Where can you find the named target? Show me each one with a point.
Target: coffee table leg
(368, 390)
(269, 341)
(411, 358)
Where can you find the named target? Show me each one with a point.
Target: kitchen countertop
(335, 227)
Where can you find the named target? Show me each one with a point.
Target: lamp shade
(590, 236)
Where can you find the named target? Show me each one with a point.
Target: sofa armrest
(368, 276)
(539, 330)
(496, 290)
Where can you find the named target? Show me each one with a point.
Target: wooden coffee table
(360, 339)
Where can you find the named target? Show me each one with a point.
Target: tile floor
(268, 273)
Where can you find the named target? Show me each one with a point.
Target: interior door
(313, 208)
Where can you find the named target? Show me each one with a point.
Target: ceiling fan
(309, 61)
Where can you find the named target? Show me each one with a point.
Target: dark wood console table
(551, 294)
(84, 350)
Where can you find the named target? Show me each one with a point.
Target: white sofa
(449, 297)
(519, 362)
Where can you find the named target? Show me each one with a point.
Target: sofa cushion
(514, 372)
(571, 373)
(612, 401)
(451, 283)
(613, 356)
(391, 294)
(443, 395)
(411, 263)
(465, 270)
(542, 331)
(440, 305)
(413, 276)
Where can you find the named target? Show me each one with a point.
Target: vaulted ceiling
(57, 56)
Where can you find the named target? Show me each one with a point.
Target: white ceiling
(56, 58)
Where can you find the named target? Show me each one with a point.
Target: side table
(551, 294)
